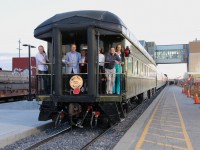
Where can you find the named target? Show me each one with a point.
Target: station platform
(171, 122)
(19, 120)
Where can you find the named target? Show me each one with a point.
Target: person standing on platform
(110, 60)
(73, 58)
(118, 67)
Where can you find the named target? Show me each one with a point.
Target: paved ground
(171, 123)
(19, 120)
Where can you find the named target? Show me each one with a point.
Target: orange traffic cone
(196, 99)
(188, 93)
(183, 90)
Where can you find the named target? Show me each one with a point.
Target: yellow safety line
(166, 130)
(167, 113)
(166, 145)
(166, 125)
(166, 109)
(187, 139)
(166, 117)
(165, 120)
(142, 137)
(170, 137)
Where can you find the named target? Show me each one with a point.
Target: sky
(165, 22)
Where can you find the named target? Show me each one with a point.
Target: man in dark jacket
(110, 60)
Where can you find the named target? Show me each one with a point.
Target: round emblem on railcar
(76, 82)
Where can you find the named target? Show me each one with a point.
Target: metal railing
(45, 82)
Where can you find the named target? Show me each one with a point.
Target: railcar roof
(93, 15)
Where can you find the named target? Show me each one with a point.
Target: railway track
(36, 145)
(84, 147)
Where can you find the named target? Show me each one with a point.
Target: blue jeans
(116, 87)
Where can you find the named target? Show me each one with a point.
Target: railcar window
(139, 68)
(142, 72)
(130, 65)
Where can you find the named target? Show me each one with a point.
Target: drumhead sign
(76, 82)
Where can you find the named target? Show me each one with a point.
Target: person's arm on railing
(40, 60)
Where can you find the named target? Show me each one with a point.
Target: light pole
(29, 64)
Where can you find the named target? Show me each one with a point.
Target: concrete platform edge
(129, 140)
(10, 139)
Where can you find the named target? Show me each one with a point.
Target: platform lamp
(29, 64)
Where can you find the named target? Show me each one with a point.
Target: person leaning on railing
(101, 61)
(41, 60)
(118, 67)
(83, 64)
(111, 59)
(73, 58)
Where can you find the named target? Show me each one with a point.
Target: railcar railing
(118, 86)
(77, 84)
(43, 81)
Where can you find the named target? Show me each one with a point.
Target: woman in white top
(101, 62)
(41, 60)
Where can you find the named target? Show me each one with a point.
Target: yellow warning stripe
(166, 125)
(166, 145)
(166, 130)
(170, 137)
(167, 113)
(170, 117)
(166, 118)
(166, 109)
(166, 121)
(187, 139)
(142, 137)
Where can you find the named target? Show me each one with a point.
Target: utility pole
(19, 47)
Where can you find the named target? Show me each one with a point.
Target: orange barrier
(188, 93)
(196, 99)
(183, 90)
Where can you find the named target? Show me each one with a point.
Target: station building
(194, 56)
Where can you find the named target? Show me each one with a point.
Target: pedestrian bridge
(167, 54)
